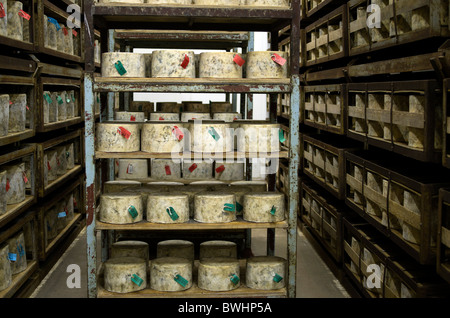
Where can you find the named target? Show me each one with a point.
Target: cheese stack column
(53, 108)
(17, 113)
(62, 106)
(5, 268)
(133, 168)
(168, 208)
(176, 248)
(165, 116)
(47, 101)
(229, 171)
(219, 274)
(197, 170)
(130, 116)
(17, 246)
(264, 207)
(170, 274)
(121, 208)
(214, 207)
(112, 137)
(210, 136)
(220, 65)
(15, 22)
(166, 169)
(4, 19)
(130, 249)
(217, 249)
(258, 137)
(163, 137)
(50, 221)
(51, 33)
(266, 272)
(262, 65)
(172, 63)
(125, 274)
(16, 192)
(120, 64)
(4, 114)
(3, 200)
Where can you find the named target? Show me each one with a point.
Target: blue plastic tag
(51, 20)
(12, 257)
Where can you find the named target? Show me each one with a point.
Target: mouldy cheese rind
(120, 272)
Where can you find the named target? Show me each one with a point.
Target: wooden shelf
(16, 44)
(14, 210)
(19, 279)
(15, 137)
(189, 155)
(60, 124)
(60, 180)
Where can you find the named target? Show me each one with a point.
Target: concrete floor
(314, 279)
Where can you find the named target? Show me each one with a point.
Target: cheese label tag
(181, 280)
(68, 100)
(74, 202)
(132, 118)
(239, 207)
(193, 167)
(60, 100)
(48, 98)
(12, 257)
(7, 185)
(66, 33)
(125, 133)
(281, 135)
(160, 118)
(137, 280)
(277, 278)
(168, 172)
(178, 133)
(185, 61)
(234, 279)
(228, 207)
(67, 154)
(73, 98)
(62, 214)
(120, 68)
(24, 15)
(133, 212)
(51, 20)
(24, 175)
(75, 33)
(278, 59)
(214, 133)
(130, 169)
(273, 210)
(220, 169)
(2, 11)
(48, 166)
(238, 60)
(172, 213)
(21, 250)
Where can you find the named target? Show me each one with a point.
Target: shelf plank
(59, 124)
(19, 279)
(63, 233)
(14, 210)
(58, 181)
(189, 155)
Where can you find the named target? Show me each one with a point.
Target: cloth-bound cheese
(3, 200)
(264, 207)
(118, 137)
(15, 184)
(160, 116)
(164, 137)
(219, 274)
(210, 136)
(130, 116)
(166, 169)
(4, 114)
(263, 64)
(266, 272)
(125, 274)
(187, 116)
(137, 249)
(133, 169)
(176, 248)
(17, 112)
(257, 136)
(15, 21)
(121, 208)
(5, 267)
(197, 170)
(170, 274)
(229, 171)
(214, 207)
(123, 64)
(173, 63)
(168, 208)
(220, 65)
(17, 251)
(217, 249)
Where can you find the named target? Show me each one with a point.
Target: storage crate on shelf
(443, 238)
(446, 124)
(18, 252)
(57, 216)
(326, 39)
(380, 270)
(18, 177)
(399, 197)
(16, 27)
(323, 107)
(324, 161)
(404, 117)
(59, 159)
(401, 22)
(323, 215)
(317, 7)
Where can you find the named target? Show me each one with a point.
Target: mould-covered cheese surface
(219, 274)
(125, 274)
(17, 247)
(257, 136)
(137, 249)
(122, 64)
(15, 21)
(133, 169)
(200, 170)
(5, 267)
(264, 207)
(210, 136)
(214, 207)
(217, 249)
(220, 65)
(272, 3)
(130, 116)
(173, 63)
(15, 183)
(168, 208)
(266, 272)
(17, 112)
(262, 65)
(170, 274)
(166, 169)
(175, 248)
(121, 208)
(118, 137)
(164, 137)
(4, 114)
(3, 200)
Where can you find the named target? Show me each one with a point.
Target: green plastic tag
(273, 210)
(73, 98)
(133, 212)
(67, 154)
(48, 98)
(173, 215)
(120, 68)
(234, 279)
(281, 134)
(181, 280)
(68, 100)
(137, 280)
(229, 207)
(277, 278)
(214, 133)
(239, 207)
(60, 100)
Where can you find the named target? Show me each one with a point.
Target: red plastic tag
(74, 202)
(75, 33)
(10, 103)
(25, 179)
(185, 61)
(193, 167)
(238, 60)
(2, 11)
(117, 163)
(168, 172)
(160, 118)
(178, 133)
(65, 31)
(125, 133)
(278, 59)
(7, 185)
(133, 118)
(28, 108)
(220, 169)
(48, 166)
(24, 15)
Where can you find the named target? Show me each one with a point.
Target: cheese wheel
(130, 116)
(15, 21)
(110, 140)
(257, 137)
(196, 107)
(70, 208)
(221, 107)
(146, 107)
(169, 1)
(200, 170)
(170, 274)
(50, 221)
(217, 249)
(266, 272)
(3, 200)
(168, 208)
(70, 156)
(168, 63)
(166, 169)
(211, 207)
(133, 64)
(185, 117)
(164, 137)
(70, 104)
(4, 20)
(51, 165)
(175, 248)
(159, 116)
(219, 274)
(257, 186)
(269, 3)
(239, 193)
(61, 160)
(17, 113)
(14, 176)
(61, 215)
(133, 169)
(261, 65)
(210, 136)
(118, 186)
(68, 40)
(218, 2)
(53, 108)
(229, 171)
(5, 267)
(258, 207)
(125, 274)
(4, 114)
(219, 64)
(118, 208)
(60, 38)
(169, 107)
(227, 117)
(17, 246)
(190, 190)
(51, 40)
(130, 249)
